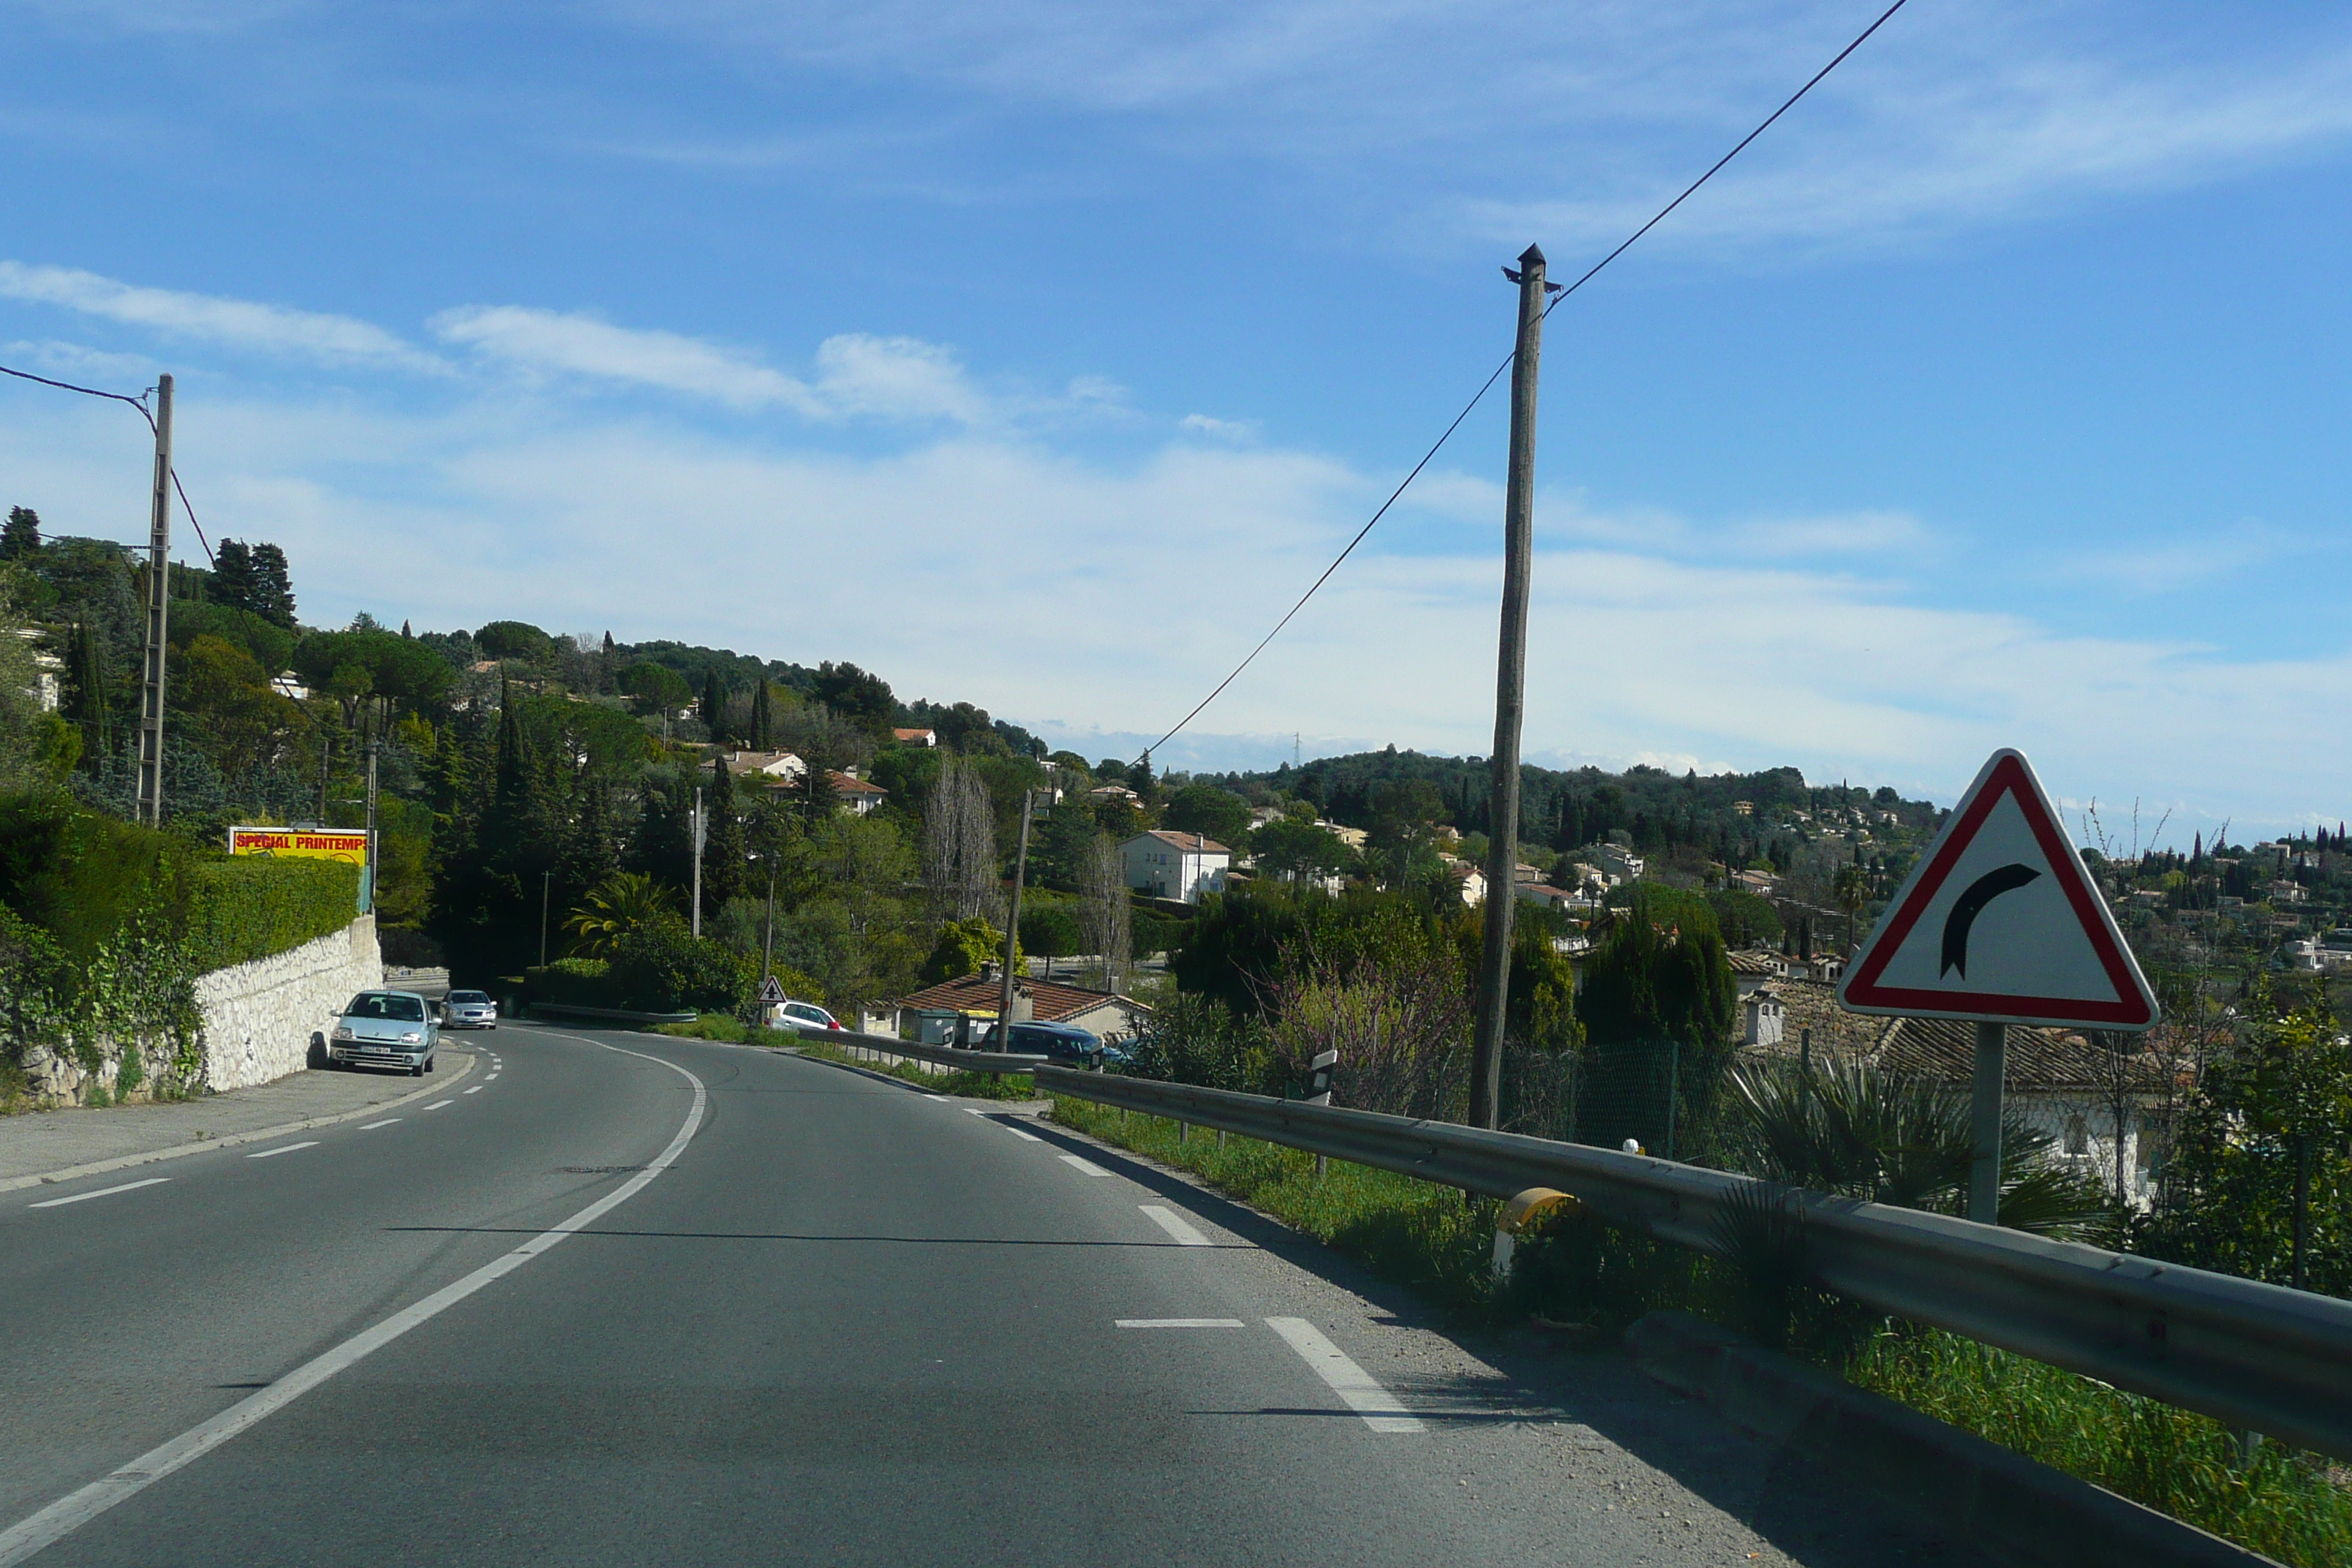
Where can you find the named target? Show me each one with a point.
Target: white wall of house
(1166, 870)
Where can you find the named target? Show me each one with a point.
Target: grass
(1429, 1237)
(1417, 1233)
(2170, 1460)
(968, 1085)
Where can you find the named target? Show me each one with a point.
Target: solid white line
(1179, 1322)
(102, 1193)
(1075, 1164)
(69, 1513)
(479, 1087)
(1174, 1224)
(283, 1149)
(1381, 1411)
(386, 1122)
(439, 1103)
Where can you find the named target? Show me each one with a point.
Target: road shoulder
(45, 1146)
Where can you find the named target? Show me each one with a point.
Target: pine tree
(273, 586)
(405, 632)
(233, 579)
(21, 536)
(762, 717)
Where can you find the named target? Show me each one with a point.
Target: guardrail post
(1984, 1123)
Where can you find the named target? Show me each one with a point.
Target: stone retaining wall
(259, 1016)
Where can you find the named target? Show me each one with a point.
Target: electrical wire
(1559, 296)
(139, 402)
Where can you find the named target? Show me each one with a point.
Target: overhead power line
(140, 405)
(1484, 387)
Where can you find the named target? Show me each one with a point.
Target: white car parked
(385, 1029)
(806, 1015)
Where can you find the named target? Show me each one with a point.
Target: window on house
(2078, 1135)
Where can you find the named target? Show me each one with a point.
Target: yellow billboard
(345, 844)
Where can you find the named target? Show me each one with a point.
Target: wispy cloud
(548, 342)
(240, 324)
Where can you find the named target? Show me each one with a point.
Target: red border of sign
(2008, 775)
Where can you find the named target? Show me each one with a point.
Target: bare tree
(1104, 917)
(959, 844)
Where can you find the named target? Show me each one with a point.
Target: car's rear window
(394, 1009)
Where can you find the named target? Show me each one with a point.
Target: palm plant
(619, 905)
(1850, 1129)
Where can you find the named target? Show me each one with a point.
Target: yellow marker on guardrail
(1523, 1210)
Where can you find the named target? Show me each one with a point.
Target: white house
(1619, 861)
(1181, 866)
(854, 793)
(916, 737)
(1470, 880)
(770, 767)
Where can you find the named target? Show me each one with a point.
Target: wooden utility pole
(159, 572)
(1510, 700)
(373, 748)
(1013, 928)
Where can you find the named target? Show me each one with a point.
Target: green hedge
(660, 967)
(246, 909)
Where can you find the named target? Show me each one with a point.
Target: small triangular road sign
(772, 990)
(1998, 922)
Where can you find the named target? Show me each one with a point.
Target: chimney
(988, 971)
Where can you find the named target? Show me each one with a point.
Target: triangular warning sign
(772, 990)
(2000, 923)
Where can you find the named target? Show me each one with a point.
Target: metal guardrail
(2257, 1357)
(942, 1056)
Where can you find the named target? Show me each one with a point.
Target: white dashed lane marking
(386, 1122)
(283, 1149)
(1381, 1411)
(102, 1193)
(439, 1103)
(478, 1088)
(1078, 1165)
(1179, 1322)
(1175, 1226)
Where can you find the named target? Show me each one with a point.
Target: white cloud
(1222, 429)
(897, 378)
(234, 323)
(1659, 646)
(545, 341)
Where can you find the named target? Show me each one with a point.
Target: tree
(1297, 850)
(21, 536)
(658, 688)
(87, 696)
(1105, 919)
(762, 717)
(1658, 1005)
(713, 711)
(1205, 808)
(233, 581)
(619, 905)
(959, 844)
(853, 694)
(1851, 889)
(518, 640)
(961, 948)
(722, 852)
(273, 586)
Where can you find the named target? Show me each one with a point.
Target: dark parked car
(1061, 1043)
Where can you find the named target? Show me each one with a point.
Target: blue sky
(1038, 354)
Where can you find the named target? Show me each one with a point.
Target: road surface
(622, 1299)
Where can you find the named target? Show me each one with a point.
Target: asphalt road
(838, 1321)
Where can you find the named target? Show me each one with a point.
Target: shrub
(661, 967)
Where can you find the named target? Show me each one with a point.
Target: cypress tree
(723, 849)
(714, 704)
(762, 717)
(85, 703)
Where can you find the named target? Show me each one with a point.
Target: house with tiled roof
(916, 737)
(1165, 863)
(2099, 1101)
(775, 769)
(856, 795)
(931, 1015)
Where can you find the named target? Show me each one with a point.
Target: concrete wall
(259, 1016)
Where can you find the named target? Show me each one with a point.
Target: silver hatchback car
(385, 1029)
